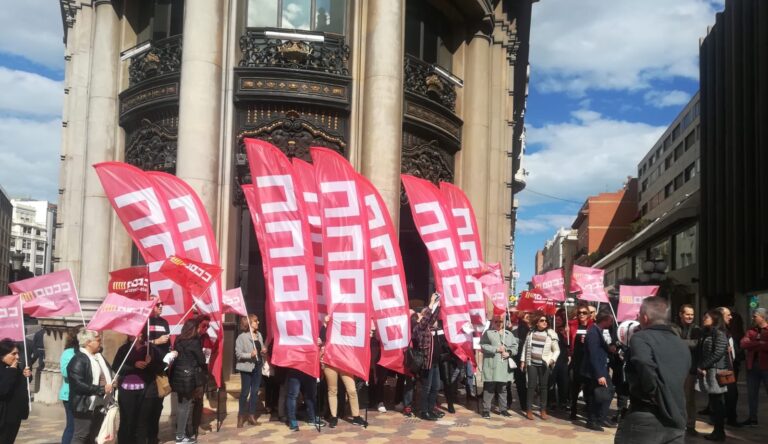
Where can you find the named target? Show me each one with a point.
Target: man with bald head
(658, 362)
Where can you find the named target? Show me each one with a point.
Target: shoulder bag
(414, 358)
(726, 377)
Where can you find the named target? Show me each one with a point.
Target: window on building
(26, 244)
(159, 19)
(676, 132)
(679, 181)
(638, 261)
(39, 260)
(39, 246)
(668, 162)
(38, 271)
(644, 186)
(668, 190)
(667, 142)
(426, 34)
(662, 251)
(644, 210)
(26, 230)
(690, 139)
(26, 257)
(309, 15)
(679, 151)
(37, 232)
(690, 171)
(685, 248)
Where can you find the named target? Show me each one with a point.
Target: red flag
(122, 314)
(50, 295)
(551, 285)
(588, 281)
(388, 288)
(131, 282)
(531, 301)
(284, 240)
(347, 259)
(305, 175)
(631, 298)
(439, 235)
(191, 275)
(494, 287)
(148, 219)
(11, 318)
(470, 250)
(232, 302)
(198, 243)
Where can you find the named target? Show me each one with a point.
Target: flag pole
(194, 304)
(26, 359)
(77, 294)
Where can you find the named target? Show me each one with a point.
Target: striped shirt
(538, 341)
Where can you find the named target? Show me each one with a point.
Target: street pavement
(47, 422)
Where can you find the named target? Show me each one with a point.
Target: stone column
(100, 147)
(383, 100)
(200, 101)
(475, 140)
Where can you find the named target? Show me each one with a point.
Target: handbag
(414, 359)
(111, 422)
(163, 385)
(725, 377)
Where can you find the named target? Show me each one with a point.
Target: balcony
(431, 82)
(307, 51)
(161, 58)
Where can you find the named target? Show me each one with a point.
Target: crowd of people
(653, 372)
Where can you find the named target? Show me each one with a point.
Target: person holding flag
(250, 352)
(90, 380)
(14, 402)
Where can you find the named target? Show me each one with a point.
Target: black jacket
(658, 362)
(189, 369)
(14, 401)
(595, 363)
(80, 379)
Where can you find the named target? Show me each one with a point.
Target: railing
(329, 54)
(430, 81)
(162, 57)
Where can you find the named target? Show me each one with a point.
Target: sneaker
(505, 413)
(438, 413)
(595, 427)
(358, 420)
(428, 416)
(382, 408)
(317, 423)
(750, 423)
(185, 440)
(486, 415)
(333, 422)
(408, 412)
(293, 425)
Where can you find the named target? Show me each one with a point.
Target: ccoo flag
(50, 295)
(121, 314)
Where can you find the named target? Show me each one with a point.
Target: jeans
(490, 389)
(470, 385)
(299, 381)
(717, 407)
(249, 391)
(577, 385)
(596, 411)
(182, 416)
(538, 377)
(645, 428)
(430, 385)
(409, 384)
(755, 377)
(69, 429)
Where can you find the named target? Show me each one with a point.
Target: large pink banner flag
(284, 240)
(590, 282)
(551, 285)
(148, 219)
(232, 302)
(50, 295)
(121, 314)
(438, 232)
(389, 301)
(471, 253)
(631, 298)
(347, 259)
(11, 318)
(305, 174)
(494, 287)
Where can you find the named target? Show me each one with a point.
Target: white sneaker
(382, 409)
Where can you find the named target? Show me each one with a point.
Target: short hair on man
(684, 306)
(656, 309)
(603, 315)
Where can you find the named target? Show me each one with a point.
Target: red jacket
(753, 347)
(573, 325)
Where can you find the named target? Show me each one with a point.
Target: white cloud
(29, 151)
(615, 44)
(33, 29)
(663, 99)
(588, 155)
(544, 223)
(30, 94)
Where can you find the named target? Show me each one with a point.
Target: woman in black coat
(712, 353)
(188, 378)
(14, 399)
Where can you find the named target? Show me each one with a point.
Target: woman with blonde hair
(250, 352)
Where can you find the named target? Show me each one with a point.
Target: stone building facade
(432, 88)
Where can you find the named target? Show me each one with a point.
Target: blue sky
(607, 77)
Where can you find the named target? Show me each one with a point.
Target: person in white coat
(540, 353)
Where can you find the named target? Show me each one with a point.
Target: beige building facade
(436, 89)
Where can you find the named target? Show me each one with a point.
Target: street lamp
(654, 270)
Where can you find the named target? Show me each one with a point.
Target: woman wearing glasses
(540, 353)
(577, 330)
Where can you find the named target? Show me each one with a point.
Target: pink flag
(232, 302)
(132, 282)
(148, 219)
(438, 232)
(122, 314)
(11, 318)
(284, 240)
(193, 276)
(347, 259)
(493, 286)
(530, 301)
(551, 285)
(630, 299)
(192, 227)
(471, 254)
(305, 175)
(50, 295)
(588, 281)
(390, 304)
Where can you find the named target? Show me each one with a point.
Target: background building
(604, 221)
(665, 234)
(6, 216)
(433, 88)
(733, 244)
(32, 233)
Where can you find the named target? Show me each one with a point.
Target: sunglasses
(543, 320)
(583, 312)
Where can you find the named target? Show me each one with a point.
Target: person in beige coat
(498, 346)
(540, 353)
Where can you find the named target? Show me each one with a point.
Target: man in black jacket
(657, 365)
(689, 332)
(598, 390)
(89, 381)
